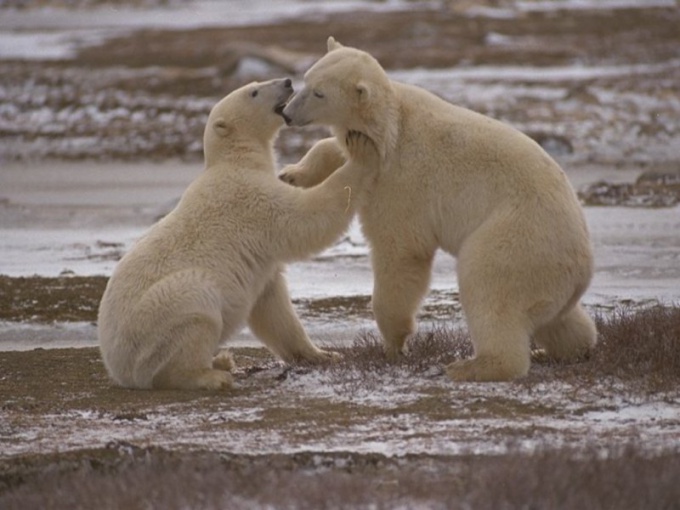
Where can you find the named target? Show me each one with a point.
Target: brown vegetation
(130, 478)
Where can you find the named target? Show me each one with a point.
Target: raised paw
(293, 176)
(361, 148)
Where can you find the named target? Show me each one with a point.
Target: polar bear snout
(292, 112)
(286, 84)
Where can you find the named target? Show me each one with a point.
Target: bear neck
(240, 152)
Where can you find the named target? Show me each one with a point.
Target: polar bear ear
(363, 91)
(332, 44)
(222, 128)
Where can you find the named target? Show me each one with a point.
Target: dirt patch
(64, 299)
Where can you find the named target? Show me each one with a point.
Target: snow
(532, 418)
(54, 33)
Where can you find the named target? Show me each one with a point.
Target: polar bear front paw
(361, 148)
(486, 369)
(291, 174)
(214, 380)
(322, 356)
(224, 361)
(329, 356)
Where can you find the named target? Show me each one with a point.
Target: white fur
(453, 179)
(216, 261)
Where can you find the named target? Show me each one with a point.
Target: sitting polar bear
(216, 260)
(453, 179)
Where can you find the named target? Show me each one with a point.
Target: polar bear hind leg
(502, 348)
(568, 337)
(191, 365)
(495, 297)
(178, 325)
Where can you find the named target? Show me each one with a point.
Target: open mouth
(278, 110)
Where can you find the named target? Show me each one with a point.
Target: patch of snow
(531, 418)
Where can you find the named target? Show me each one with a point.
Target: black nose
(288, 83)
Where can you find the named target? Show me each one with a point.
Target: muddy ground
(365, 433)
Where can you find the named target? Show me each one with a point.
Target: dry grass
(436, 346)
(642, 345)
(150, 478)
(640, 348)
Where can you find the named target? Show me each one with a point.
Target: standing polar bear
(216, 260)
(453, 179)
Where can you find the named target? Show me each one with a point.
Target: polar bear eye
(254, 93)
(318, 94)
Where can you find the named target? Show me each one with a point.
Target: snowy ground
(392, 411)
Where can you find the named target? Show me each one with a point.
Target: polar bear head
(346, 89)
(252, 112)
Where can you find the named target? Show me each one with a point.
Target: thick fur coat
(216, 261)
(452, 179)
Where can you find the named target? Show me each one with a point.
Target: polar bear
(455, 180)
(216, 261)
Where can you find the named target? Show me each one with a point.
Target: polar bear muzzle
(283, 98)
